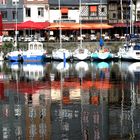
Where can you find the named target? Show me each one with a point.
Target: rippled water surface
(71, 101)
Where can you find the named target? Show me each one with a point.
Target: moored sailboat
(102, 52)
(61, 54)
(131, 49)
(81, 53)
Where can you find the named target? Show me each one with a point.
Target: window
(41, 12)
(93, 10)
(28, 12)
(4, 14)
(64, 15)
(114, 15)
(3, 2)
(102, 9)
(14, 16)
(138, 15)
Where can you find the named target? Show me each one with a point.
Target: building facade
(94, 11)
(121, 11)
(86, 11)
(9, 8)
(35, 10)
(66, 11)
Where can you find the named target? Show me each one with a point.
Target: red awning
(29, 25)
(93, 8)
(137, 24)
(8, 26)
(25, 25)
(32, 25)
(1, 90)
(64, 10)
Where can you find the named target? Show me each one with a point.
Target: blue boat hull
(27, 59)
(34, 58)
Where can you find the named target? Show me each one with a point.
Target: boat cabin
(35, 46)
(136, 47)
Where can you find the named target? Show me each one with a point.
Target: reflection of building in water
(25, 116)
(66, 108)
(94, 114)
(38, 116)
(124, 105)
(12, 116)
(66, 120)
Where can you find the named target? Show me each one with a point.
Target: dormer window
(14, 2)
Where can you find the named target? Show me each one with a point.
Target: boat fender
(105, 50)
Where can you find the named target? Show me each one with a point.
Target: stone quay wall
(49, 46)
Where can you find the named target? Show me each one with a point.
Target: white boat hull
(129, 54)
(61, 54)
(81, 54)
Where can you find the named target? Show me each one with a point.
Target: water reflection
(79, 100)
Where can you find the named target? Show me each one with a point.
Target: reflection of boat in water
(134, 70)
(134, 67)
(102, 65)
(62, 66)
(82, 65)
(31, 71)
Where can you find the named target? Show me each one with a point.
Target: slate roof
(74, 2)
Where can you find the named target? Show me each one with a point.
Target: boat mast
(60, 29)
(121, 11)
(15, 43)
(131, 18)
(80, 9)
(101, 19)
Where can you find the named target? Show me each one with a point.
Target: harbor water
(70, 101)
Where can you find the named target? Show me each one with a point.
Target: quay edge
(49, 46)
